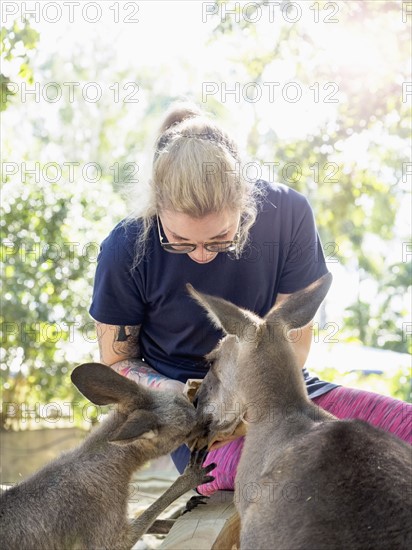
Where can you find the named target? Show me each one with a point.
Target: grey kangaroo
(305, 480)
(79, 501)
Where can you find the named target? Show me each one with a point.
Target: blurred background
(317, 95)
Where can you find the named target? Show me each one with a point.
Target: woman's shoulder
(123, 237)
(279, 196)
(126, 229)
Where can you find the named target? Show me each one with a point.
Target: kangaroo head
(252, 347)
(144, 413)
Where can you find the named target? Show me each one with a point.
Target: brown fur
(79, 500)
(305, 479)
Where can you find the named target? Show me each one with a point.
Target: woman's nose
(200, 254)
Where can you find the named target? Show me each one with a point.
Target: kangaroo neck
(278, 398)
(278, 384)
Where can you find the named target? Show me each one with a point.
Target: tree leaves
(15, 43)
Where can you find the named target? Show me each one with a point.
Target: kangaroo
(305, 480)
(79, 501)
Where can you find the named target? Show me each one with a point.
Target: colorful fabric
(391, 415)
(388, 414)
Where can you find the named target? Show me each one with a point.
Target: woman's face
(180, 228)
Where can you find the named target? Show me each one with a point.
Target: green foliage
(349, 165)
(51, 228)
(382, 324)
(39, 268)
(394, 384)
(15, 46)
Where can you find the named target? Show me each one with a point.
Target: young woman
(250, 243)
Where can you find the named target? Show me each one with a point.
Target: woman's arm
(119, 349)
(300, 339)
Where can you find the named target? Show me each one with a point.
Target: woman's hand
(218, 442)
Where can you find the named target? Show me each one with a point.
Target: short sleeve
(305, 261)
(117, 298)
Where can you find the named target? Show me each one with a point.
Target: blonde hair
(196, 171)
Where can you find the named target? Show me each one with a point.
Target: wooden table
(214, 525)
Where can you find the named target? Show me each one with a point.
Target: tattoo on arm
(121, 334)
(126, 341)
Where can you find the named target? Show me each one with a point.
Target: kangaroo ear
(225, 315)
(140, 424)
(103, 386)
(300, 308)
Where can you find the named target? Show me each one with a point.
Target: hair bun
(178, 112)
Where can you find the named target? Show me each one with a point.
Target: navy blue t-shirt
(284, 255)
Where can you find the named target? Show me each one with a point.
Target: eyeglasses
(186, 248)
